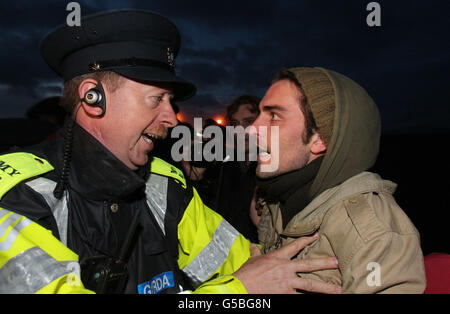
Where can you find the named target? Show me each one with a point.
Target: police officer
(94, 205)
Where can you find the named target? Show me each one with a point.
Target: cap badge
(170, 57)
(94, 66)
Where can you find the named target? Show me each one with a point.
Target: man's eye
(274, 116)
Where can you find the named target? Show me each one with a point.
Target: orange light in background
(219, 121)
(180, 117)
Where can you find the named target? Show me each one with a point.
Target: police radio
(107, 274)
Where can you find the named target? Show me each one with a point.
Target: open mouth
(150, 138)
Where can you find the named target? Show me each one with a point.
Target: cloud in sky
(234, 47)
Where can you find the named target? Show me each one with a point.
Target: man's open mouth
(264, 155)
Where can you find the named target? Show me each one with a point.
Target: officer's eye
(154, 101)
(158, 99)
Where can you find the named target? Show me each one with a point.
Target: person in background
(42, 121)
(202, 174)
(236, 184)
(48, 110)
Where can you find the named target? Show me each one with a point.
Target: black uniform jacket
(102, 197)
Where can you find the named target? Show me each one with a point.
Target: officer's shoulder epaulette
(163, 168)
(18, 167)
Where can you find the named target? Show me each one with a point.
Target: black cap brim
(182, 89)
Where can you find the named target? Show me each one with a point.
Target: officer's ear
(86, 97)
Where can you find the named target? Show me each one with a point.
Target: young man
(95, 199)
(329, 132)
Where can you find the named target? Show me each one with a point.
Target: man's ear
(83, 88)
(317, 144)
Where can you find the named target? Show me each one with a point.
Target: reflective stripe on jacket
(207, 245)
(32, 260)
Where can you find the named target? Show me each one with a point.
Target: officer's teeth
(148, 138)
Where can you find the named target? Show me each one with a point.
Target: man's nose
(253, 130)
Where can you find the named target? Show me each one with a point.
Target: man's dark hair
(251, 100)
(310, 123)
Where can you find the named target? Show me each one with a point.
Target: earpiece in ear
(96, 97)
(92, 97)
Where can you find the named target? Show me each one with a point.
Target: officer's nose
(168, 116)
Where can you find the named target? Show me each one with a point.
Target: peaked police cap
(140, 45)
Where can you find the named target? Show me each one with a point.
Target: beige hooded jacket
(377, 246)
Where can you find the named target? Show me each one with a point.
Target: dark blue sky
(234, 47)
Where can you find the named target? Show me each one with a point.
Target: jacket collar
(310, 218)
(290, 189)
(97, 174)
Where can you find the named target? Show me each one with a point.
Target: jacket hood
(356, 128)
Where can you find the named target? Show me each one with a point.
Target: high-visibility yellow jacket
(33, 259)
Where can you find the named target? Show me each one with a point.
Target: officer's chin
(139, 161)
